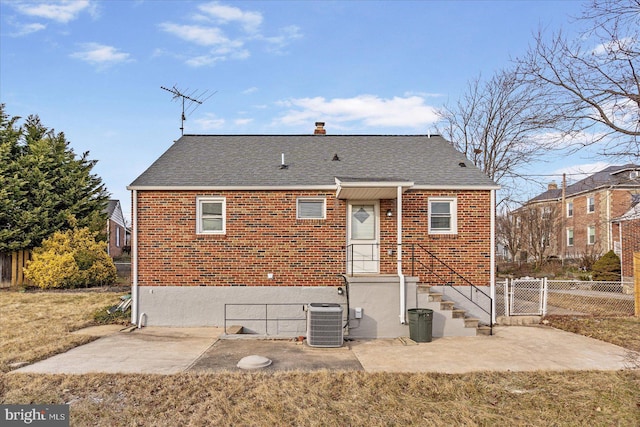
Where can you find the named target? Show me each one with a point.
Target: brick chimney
(320, 130)
(552, 186)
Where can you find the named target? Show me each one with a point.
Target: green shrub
(71, 259)
(607, 268)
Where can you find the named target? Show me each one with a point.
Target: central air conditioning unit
(324, 325)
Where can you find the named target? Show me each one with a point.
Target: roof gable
(257, 161)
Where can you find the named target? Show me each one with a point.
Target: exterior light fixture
(340, 290)
(389, 213)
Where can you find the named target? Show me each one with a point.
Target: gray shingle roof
(254, 160)
(617, 176)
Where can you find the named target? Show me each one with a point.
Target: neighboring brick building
(116, 229)
(223, 221)
(584, 212)
(629, 237)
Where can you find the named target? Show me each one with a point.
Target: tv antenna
(194, 99)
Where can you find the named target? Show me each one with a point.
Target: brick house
(116, 229)
(629, 238)
(584, 212)
(247, 229)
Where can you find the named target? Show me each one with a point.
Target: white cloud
(98, 54)
(209, 122)
(28, 29)
(242, 122)
(204, 36)
(241, 28)
(62, 11)
(619, 46)
(250, 21)
(279, 42)
(581, 171)
(250, 90)
(362, 110)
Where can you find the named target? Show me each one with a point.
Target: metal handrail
(266, 317)
(452, 275)
(349, 255)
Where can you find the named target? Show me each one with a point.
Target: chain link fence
(563, 297)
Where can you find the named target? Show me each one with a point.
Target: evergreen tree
(44, 186)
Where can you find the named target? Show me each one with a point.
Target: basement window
(211, 215)
(311, 208)
(443, 213)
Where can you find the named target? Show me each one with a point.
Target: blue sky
(93, 69)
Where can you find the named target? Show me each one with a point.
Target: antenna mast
(195, 100)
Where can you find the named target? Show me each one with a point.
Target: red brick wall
(630, 244)
(468, 251)
(263, 236)
(619, 203)
(114, 229)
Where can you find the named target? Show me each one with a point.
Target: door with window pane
(363, 249)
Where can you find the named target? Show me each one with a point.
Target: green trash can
(420, 324)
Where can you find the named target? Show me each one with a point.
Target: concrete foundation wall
(248, 306)
(379, 298)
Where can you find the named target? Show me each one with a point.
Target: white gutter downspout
(134, 258)
(609, 223)
(492, 276)
(403, 307)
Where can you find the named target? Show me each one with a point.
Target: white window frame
(311, 199)
(570, 237)
(569, 209)
(589, 235)
(453, 211)
(205, 199)
(117, 236)
(590, 205)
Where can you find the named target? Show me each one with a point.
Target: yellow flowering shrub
(71, 259)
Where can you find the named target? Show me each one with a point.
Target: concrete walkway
(146, 350)
(172, 350)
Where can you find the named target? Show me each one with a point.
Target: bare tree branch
(591, 85)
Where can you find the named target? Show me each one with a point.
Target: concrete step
(459, 314)
(424, 288)
(434, 297)
(446, 305)
(471, 322)
(483, 330)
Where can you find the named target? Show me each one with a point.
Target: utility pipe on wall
(403, 304)
(134, 258)
(492, 261)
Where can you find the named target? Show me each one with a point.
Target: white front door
(363, 248)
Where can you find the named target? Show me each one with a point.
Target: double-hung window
(569, 209)
(211, 215)
(591, 235)
(310, 208)
(591, 204)
(569, 236)
(443, 213)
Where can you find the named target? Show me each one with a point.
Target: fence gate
(526, 297)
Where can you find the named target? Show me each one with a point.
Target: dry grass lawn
(622, 331)
(40, 325)
(36, 325)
